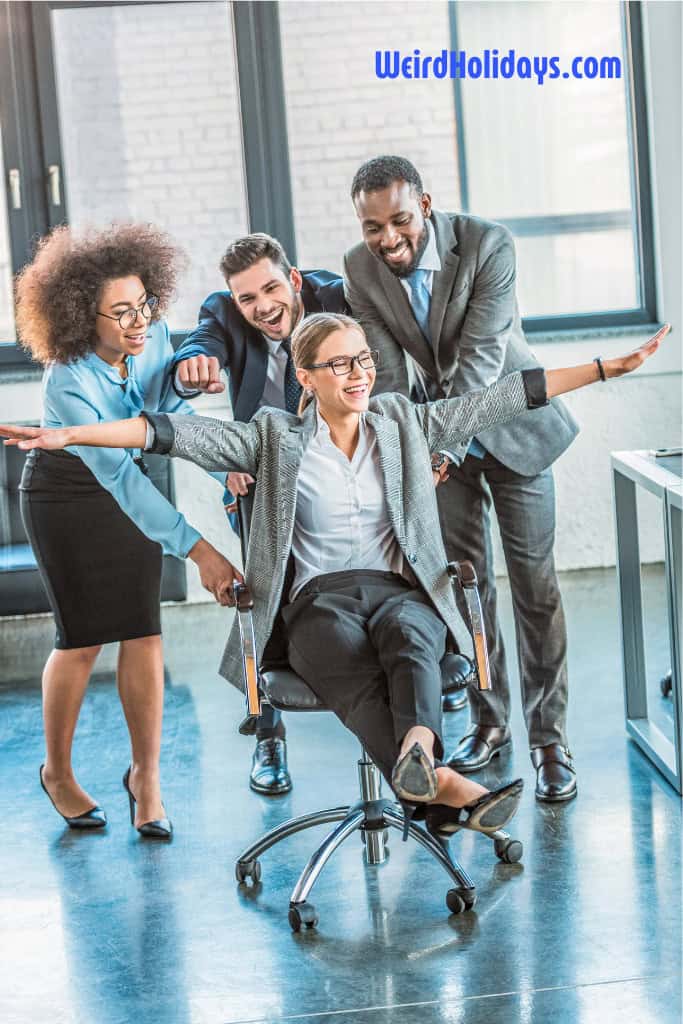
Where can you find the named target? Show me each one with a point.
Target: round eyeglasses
(341, 366)
(129, 317)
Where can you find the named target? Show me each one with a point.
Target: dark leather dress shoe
(555, 773)
(269, 774)
(454, 701)
(478, 746)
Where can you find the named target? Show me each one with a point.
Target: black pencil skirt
(101, 573)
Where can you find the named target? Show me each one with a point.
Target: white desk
(664, 479)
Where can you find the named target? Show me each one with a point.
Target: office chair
(371, 815)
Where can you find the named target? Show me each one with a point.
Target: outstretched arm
(116, 434)
(452, 420)
(559, 382)
(214, 445)
(216, 572)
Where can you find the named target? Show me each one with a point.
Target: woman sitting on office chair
(346, 489)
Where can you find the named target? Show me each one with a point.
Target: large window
(212, 119)
(150, 128)
(555, 162)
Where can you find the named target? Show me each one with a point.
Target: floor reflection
(107, 928)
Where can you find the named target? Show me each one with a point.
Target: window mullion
(264, 121)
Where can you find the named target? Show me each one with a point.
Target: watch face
(438, 460)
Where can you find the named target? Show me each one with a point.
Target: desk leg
(628, 574)
(674, 578)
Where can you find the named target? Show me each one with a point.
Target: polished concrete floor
(107, 929)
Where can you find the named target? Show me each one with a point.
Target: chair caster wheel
(248, 869)
(460, 900)
(302, 913)
(508, 850)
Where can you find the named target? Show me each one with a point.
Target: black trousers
(370, 646)
(525, 508)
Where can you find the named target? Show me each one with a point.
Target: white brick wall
(339, 114)
(151, 131)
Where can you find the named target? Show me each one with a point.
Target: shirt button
(412, 557)
(445, 382)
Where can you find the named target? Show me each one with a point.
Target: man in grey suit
(435, 294)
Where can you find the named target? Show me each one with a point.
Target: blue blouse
(91, 391)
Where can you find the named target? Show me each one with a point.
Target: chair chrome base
(372, 816)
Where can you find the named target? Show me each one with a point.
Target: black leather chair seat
(21, 592)
(287, 691)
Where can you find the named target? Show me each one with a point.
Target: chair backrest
(11, 467)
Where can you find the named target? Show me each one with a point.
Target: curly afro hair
(58, 292)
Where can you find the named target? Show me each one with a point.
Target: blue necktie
(292, 386)
(420, 299)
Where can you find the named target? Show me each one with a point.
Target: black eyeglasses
(129, 317)
(343, 365)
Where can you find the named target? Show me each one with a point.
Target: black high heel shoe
(487, 814)
(94, 818)
(414, 782)
(160, 828)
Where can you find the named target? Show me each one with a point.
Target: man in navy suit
(246, 331)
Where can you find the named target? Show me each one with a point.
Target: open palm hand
(628, 363)
(34, 437)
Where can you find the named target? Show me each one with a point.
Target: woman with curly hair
(89, 308)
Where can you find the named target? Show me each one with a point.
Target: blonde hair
(309, 335)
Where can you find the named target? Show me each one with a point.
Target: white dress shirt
(274, 388)
(342, 521)
(430, 260)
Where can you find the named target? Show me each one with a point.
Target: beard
(415, 262)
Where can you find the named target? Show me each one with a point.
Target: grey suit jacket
(271, 447)
(475, 328)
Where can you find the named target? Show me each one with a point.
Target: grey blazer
(271, 447)
(475, 329)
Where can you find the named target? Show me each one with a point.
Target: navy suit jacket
(240, 348)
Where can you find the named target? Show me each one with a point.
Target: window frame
(31, 141)
(637, 127)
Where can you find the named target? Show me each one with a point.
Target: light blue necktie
(420, 299)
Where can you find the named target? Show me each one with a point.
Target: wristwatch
(438, 459)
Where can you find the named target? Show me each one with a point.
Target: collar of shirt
(274, 347)
(429, 261)
(101, 366)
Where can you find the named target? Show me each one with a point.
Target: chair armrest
(244, 604)
(464, 574)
